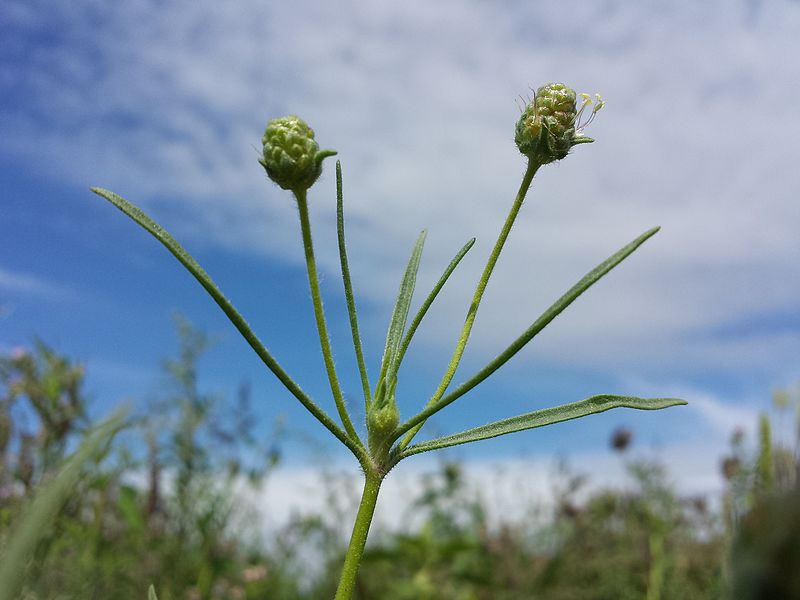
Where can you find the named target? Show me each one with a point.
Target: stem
(358, 539)
(348, 288)
(655, 575)
(479, 290)
(319, 314)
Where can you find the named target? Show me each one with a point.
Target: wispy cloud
(27, 283)
(418, 97)
(722, 417)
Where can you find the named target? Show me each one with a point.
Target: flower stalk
(463, 338)
(319, 315)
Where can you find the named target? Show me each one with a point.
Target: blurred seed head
(730, 467)
(621, 439)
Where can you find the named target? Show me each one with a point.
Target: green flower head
(292, 157)
(550, 124)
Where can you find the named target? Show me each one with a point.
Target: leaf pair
(390, 363)
(398, 337)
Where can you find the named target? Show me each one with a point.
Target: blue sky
(165, 103)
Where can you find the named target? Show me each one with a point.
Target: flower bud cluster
(548, 127)
(291, 156)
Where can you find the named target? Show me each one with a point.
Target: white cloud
(166, 103)
(722, 416)
(521, 487)
(27, 283)
(510, 490)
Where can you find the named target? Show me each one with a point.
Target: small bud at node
(381, 423)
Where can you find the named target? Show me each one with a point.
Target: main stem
(358, 539)
(319, 314)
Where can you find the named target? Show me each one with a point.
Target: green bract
(547, 128)
(550, 125)
(291, 156)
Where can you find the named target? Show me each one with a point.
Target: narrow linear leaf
(538, 325)
(541, 418)
(151, 593)
(158, 232)
(431, 297)
(348, 287)
(46, 504)
(405, 294)
(399, 318)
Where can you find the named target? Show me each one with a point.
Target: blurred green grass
(159, 507)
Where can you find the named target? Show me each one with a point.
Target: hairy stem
(479, 290)
(358, 539)
(322, 328)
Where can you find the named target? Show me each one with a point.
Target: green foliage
(764, 491)
(644, 543)
(45, 504)
(49, 387)
(443, 557)
(605, 547)
(167, 517)
(766, 555)
(765, 464)
(200, 449)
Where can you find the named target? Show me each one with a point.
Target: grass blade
(541, 418)
(46, 504)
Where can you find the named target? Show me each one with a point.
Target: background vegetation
(161, 505)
